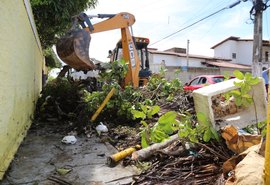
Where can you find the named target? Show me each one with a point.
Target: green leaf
(144, 142)
(193, 139)
(153, 110)
(144, 108)
(215, 133)
(168, 117)
(63, 171)
(144, 123)
(248, 96)
(207, 135)
(238, 84)
(238, 101)
(202, 119)
(158, 136)
(248, 76)
(235, 92)
(183, 133)
(166, 127)
(138, 114)
(254, 81)
(239, 75)
(245, 88)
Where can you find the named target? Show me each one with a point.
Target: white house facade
(240, 51)
(189, 65)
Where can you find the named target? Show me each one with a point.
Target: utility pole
(257, 38)
(187, 54)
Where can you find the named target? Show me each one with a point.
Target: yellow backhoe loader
(73, 48)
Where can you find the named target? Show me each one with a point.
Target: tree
(53, 19)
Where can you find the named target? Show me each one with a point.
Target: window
(203, 80)
(218, 79)
(195, 81)
(266, 56)
(234, 55)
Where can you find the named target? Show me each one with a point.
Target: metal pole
(257, 40)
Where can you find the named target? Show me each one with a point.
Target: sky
(156, 19)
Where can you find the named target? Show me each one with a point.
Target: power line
(227, 7)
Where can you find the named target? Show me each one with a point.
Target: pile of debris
(178, 161)
(200, 164)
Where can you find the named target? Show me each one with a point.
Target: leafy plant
(61, 93)
(262, 126)
(145, 112)
(206, 128)
(165, 126)
(203, 131)
(53, 18)
(121, 103)
(241, 95)
(115, 72)
(259, 128)
(51, 59)
(162, 88)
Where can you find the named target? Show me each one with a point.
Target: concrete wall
(20, 73)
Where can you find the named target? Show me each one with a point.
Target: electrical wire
(202, 11)
(196, 22)
(258, 5)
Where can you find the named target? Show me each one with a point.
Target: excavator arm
(73, 48)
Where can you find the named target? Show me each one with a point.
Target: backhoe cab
(73, 48)
(141, 45)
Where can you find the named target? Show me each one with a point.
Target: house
(190, 65)
(22, 64)
(240, 51)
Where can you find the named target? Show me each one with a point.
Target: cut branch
(147, 152)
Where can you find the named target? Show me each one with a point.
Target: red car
(203, 80)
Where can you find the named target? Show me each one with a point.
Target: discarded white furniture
(255, 112)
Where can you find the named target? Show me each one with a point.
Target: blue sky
(157, 19)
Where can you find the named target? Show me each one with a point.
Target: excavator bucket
(73, 49)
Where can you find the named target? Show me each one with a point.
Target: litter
(101, 128)
(69, 140)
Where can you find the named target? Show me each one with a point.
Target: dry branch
(147, 152)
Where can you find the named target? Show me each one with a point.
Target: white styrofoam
(255, 112)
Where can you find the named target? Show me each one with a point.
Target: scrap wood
(238, 143)
(147, 152)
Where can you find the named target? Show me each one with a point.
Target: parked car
(203, 80)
